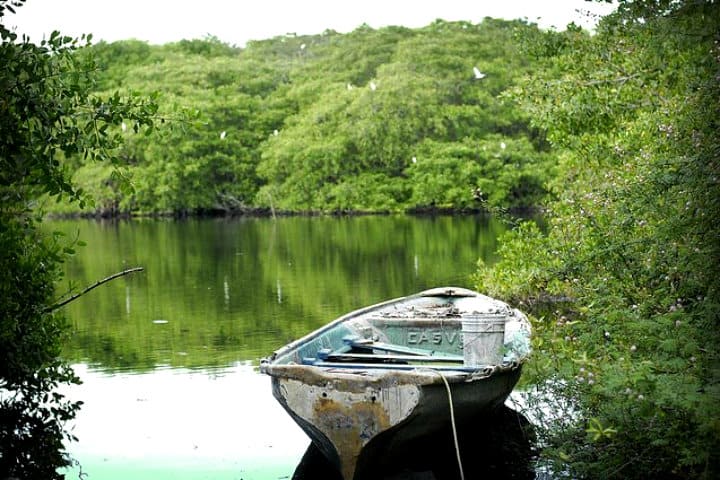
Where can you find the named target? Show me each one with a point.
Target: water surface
(169, 355)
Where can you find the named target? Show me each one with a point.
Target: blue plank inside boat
(360, 353)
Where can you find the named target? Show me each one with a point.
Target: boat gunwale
(359, 378)
(361, 311)
(370, 374)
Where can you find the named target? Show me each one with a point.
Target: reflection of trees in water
(218, 291)
(500, 446)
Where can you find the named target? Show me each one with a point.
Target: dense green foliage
(46, 113)
(627, 271)
(393, 119)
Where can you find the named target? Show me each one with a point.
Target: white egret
(222, 135)
(373, 87)
(478, 74)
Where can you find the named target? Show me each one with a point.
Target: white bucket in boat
(483, 336)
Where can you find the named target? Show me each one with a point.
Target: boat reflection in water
(497, 446)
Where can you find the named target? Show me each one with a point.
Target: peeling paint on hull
(344, 422)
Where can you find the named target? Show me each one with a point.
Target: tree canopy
(393, 119)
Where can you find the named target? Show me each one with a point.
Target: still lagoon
(169, 356)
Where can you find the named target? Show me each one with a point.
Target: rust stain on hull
(350, 427)
(347, 421)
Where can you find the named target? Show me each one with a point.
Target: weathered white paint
(349, 420)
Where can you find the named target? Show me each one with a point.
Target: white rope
(452, 422)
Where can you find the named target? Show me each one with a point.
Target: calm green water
(168, 356)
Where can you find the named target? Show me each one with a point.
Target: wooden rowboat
(379, 377)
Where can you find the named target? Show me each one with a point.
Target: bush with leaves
(631, 256)
(47, 117)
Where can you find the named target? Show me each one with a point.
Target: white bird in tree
(373, 87)
(478, 74)
(222, 135)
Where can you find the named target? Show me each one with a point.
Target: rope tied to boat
(452, 420)
(479, 374)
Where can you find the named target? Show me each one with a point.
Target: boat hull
(356, 420)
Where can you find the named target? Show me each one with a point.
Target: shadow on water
(491, 447)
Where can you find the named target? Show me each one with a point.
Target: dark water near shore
(169, 355)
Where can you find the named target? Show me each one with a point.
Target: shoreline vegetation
(631, 355)
(263, 212)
